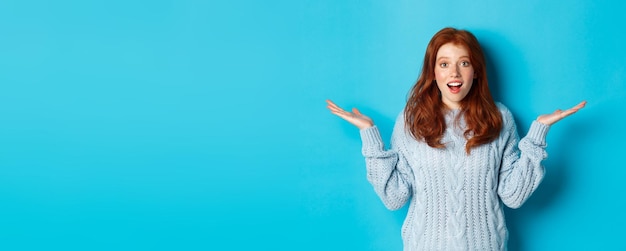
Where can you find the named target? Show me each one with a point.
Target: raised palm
(355, 117)
(549, 119)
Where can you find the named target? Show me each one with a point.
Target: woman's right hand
(355, 117)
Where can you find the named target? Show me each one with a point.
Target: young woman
(455, 153)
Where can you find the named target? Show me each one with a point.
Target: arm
(521, 170)
(387, 171)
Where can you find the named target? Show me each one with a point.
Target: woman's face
(454, 74)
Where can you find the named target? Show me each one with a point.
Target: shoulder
(507, 116)
(400, 117)
(400, 122)
(400, 127)
(503, 109)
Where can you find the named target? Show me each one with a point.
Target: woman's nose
(455, 72)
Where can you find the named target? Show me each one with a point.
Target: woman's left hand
(549, 119)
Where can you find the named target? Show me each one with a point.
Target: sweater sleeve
(387, 170)
(521, 170)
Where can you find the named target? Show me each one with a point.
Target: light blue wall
(194, 125)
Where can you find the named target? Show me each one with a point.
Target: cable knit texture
(455, 199)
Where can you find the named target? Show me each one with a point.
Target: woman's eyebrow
(440, 58)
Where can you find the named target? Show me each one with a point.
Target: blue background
(194, 125)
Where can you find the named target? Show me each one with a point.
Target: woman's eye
(443, 65)
(465, 63)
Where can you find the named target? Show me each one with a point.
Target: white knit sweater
(455, 199)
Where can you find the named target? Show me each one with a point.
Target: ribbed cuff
(537, 133)
(372, 141)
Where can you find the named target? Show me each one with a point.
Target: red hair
(424, 113)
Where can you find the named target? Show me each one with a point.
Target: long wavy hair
(424, 112)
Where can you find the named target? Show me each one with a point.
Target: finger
(338, 111)
(357, 112)
(563, 114)
(572, 110)
(341, 114)
(333, 106)
(568, 112)
(329, 102)
(580, 105)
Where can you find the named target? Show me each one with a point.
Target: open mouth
(455, 87)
